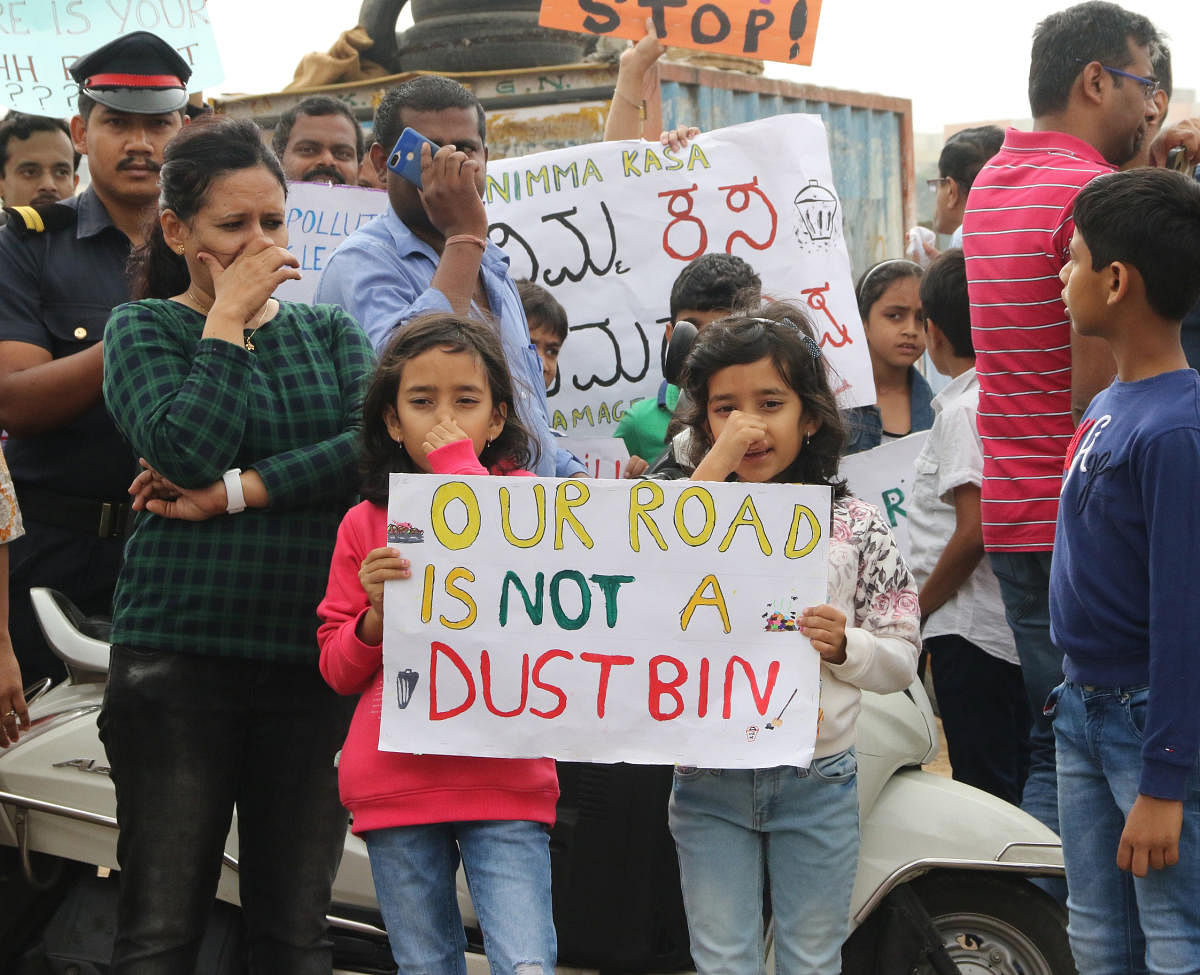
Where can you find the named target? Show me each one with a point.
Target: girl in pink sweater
(441, 401)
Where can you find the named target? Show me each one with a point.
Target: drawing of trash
(779, 617)
(776, 721)
(406, 681)
(399, 532)
(752, 732)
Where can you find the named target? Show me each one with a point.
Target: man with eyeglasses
(1091, 91)
(961, 159)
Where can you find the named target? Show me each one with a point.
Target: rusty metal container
(535, 109)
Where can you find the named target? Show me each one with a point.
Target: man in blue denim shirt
(429, 252)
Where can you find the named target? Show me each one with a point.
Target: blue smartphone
(405, 159)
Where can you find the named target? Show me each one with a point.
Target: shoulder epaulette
(36, 220)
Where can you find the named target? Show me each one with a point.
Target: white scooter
(943, 880)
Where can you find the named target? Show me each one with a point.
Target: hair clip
(813, 349)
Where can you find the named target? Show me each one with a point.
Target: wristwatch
(236, 502)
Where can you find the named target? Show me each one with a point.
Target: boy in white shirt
(976, 672)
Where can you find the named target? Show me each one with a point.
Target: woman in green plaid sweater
(245, 412)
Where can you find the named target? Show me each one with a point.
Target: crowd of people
(178, 438)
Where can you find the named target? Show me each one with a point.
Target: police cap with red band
(137, 72)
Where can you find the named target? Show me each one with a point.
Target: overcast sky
(958, 60)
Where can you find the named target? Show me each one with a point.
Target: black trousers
(190, 738)
(984, 713)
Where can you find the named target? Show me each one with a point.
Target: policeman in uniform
(62, 270)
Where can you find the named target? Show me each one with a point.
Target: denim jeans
(1025, 587)
(1119, 922)
(507, 864)
(797, 826)
(981, 700)
(188, 738)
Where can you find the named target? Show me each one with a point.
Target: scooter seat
(81, 642)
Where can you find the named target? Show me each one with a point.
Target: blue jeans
(797, 826)
(1025, 587)
(188, 738)
(1119, 922)
(507, 864)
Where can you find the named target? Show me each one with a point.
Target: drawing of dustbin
(818, 210)
(406, 681)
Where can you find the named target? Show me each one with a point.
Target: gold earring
(180, 250)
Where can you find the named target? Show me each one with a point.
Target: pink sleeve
(456, 458)
(459, 458)
(347, 664)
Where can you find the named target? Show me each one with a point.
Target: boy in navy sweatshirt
(1124, 586)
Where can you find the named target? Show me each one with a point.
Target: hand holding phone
(405, 157)
(449, 189)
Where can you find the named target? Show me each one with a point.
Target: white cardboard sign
(884, 476)
(604, 621)
(607, 227)
(41, 39)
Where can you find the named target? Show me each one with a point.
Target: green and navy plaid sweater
(244, 585)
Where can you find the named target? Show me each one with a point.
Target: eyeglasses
(1150, 87)
(936, 183)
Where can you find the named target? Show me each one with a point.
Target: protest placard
(783, 30)
(41, 39)
(884, 476)
(319, 217)
(606, 227)
(601, 456)
(605, 621)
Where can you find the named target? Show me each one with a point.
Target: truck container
(535, 109)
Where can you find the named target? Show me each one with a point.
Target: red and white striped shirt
(1016, 232)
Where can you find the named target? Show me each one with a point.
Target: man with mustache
(62, 270)
(319, 141)
(37, 161)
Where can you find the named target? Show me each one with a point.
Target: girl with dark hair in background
(889, 301)
(245, 411)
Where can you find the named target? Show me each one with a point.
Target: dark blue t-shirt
(1124, 585)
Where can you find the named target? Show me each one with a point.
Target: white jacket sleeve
(883, 625)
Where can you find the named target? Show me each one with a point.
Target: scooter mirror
(683, 336)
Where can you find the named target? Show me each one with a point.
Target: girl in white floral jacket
(762, 409)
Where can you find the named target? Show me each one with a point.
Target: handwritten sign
(884, 476)
(606, 621)
(607, 227)
(601, 456)
(319, 217)
(773, 30)
(41, 39)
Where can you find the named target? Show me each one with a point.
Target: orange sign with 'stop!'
(773, 30)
